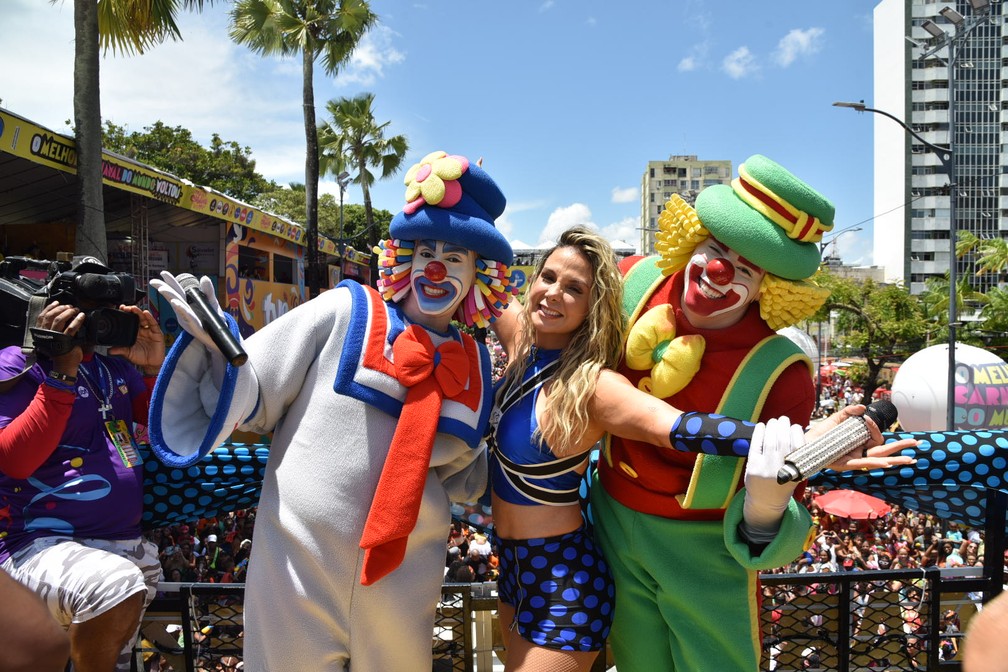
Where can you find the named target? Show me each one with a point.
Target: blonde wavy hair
(595, 345)
(782, 302)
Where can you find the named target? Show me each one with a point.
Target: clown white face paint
(441, 276)
(720, 285)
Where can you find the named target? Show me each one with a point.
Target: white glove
(765, 499)
(172, 291)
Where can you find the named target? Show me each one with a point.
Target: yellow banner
(27, 140)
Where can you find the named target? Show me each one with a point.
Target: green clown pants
(683, 603)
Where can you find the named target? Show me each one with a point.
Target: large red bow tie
(430, 374)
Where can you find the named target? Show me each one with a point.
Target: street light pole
(823, 244)
(962, 27)
(947, 156)
(948, 160)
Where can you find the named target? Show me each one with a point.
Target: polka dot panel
(951, 478)
(227, 479)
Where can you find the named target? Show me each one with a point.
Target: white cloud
(504, 222)
(625, 230)
(373, 53)
(562, 219)
(546, 6)
(798, 43)
(575, 214)
(739, 63)
(505, 225)
(688, 64)
(628, 195)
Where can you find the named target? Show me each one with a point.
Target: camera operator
(71, 479)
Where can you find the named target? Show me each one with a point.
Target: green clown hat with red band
(770, 217)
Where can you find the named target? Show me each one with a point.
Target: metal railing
(869, 620)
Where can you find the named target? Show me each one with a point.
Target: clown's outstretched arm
(200, 399)
(621, 409)
(764, 526)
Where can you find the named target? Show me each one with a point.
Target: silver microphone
(849, 435)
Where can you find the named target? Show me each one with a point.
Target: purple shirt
(83, 489)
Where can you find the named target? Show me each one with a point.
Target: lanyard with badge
(116, 429)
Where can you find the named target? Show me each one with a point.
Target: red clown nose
(435, 271)
(720, 271)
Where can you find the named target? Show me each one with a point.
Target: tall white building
(911, 186)
(685, 175)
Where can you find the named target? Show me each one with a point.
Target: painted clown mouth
(708, 290)
(433, 292)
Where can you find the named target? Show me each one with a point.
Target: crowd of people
(470, 557)
(214, 550)
(900, 540)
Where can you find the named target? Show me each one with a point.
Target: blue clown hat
(452, 199)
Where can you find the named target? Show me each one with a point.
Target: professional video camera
(88, 285)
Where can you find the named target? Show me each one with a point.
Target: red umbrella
(852, 504)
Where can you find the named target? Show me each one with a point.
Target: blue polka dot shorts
(560, 588)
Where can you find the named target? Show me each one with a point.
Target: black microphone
(211, 320)
(849, 435)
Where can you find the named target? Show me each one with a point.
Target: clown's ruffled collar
(366, 370)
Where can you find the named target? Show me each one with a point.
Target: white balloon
(920, 389)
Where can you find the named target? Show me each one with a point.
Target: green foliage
(131, 27)
(992, 331)
(225, 166)
(935, 303)
(879, 323)
(326, 29)
(992, 253)
(289, 202)
(353, 140)
(313, 29)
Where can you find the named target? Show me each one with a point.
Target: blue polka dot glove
(712, 434)
(765, 499)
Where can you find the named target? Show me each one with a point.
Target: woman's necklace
(102, 393)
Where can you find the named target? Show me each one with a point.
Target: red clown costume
(703, 316)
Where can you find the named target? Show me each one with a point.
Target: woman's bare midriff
(516, 521)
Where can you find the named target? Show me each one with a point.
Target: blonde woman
(560, 396)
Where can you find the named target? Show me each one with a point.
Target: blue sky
(565, 100)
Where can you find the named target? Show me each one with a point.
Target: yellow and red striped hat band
(798, 224)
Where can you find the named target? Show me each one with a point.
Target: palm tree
(935, 301)
(127, 26)
(326, 29)
(992, 253)
(995, 316)
(352, 140)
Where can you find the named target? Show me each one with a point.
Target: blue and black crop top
(522, 470)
